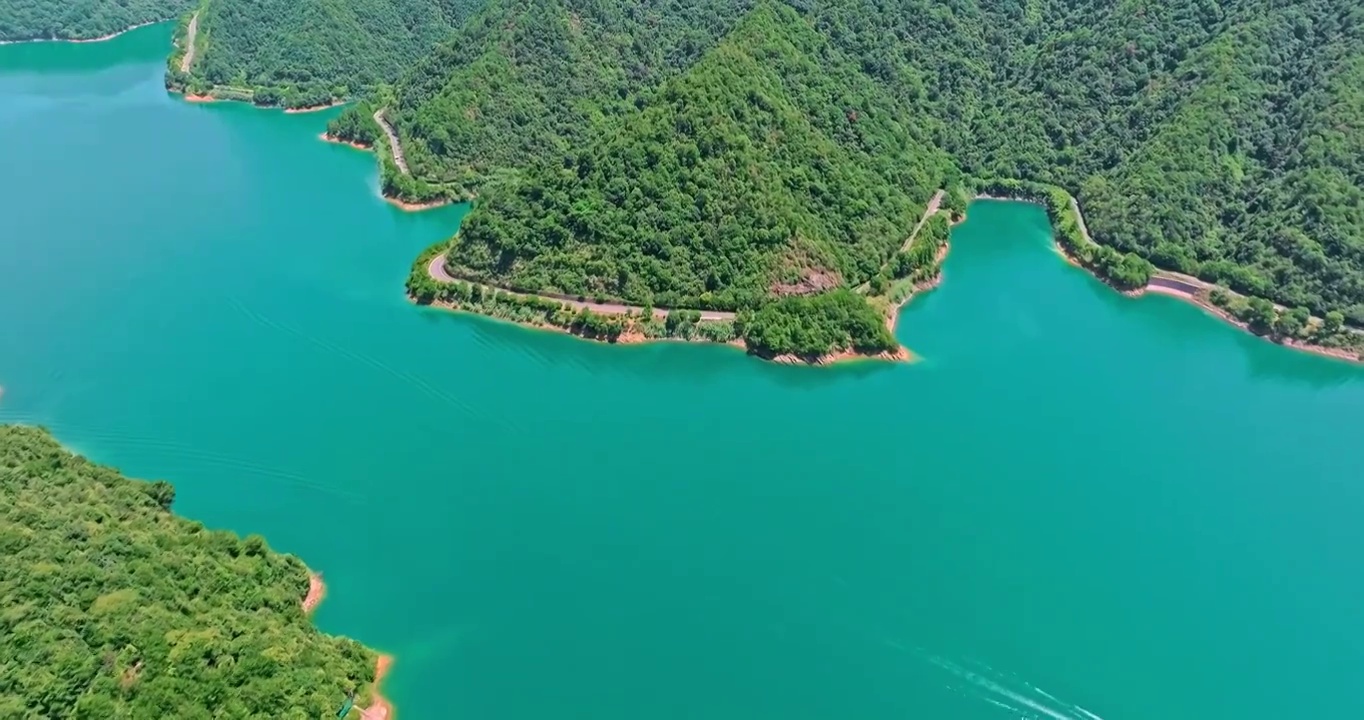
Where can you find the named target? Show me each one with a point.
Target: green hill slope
(528, 78)
(80, 19)
(772, 162)
(114, 607)
(299, 52)
(1215, 138)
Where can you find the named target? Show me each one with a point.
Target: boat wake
(1010, 693)
(985, 684)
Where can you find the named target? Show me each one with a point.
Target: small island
(117, 607)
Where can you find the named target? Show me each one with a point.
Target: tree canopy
(113, 607)
(1222, 139)
(618, 148)
(80, 19)
(306, 52)
(770, 163)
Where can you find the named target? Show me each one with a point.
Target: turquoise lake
(1076, 505)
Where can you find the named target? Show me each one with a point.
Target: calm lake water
(1077, 505)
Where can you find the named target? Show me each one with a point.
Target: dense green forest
(1222, 139)
(771, 163)
(529, 78)
(80, 19)
(113, 607)
(309, 52)
(810, 326)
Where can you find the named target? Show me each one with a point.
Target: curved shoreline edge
(432, 266)
(380, 707)
(102, 38)
(1190, 289)
(395, 202)
(395, 153)
(1187, 288)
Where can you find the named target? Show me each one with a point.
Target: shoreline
(102, 38)
(314, 108)
(631, 335)
(1183, 287)
(380, 707)
(1207, 306)
(324, 137)
(413, 207)
(403, 205)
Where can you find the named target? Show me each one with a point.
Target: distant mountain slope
(1216, 138)
(1254, 179)
(527, 78)
(288, 50)
(80, 19)
(772, 161)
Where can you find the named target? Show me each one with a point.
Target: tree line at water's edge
(807, 328)
(115, 607)
(309, 53)
(80, 19)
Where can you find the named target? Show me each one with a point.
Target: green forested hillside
(771, 161)
(530, 78)
(113, 607)
(299, 52)
(1218, 138)
(80, 19)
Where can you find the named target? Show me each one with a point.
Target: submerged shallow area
(1075, 505)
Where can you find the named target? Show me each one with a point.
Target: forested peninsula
(81, 19)
(114, 607)
(728, 155)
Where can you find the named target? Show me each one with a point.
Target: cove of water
(1077, 505)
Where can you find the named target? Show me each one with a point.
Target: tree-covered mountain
(299, 52)
(1218, 138)
(772, 166)
(80, 19)
(113, 607)
(530, 78)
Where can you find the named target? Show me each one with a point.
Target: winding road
(393, 144)
(930, 211)
(191, 34)
(436, 269)
(1161, 281)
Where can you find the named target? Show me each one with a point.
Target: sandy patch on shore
(313, 108)
(324, 137)
(900, 354)
(1172, 292)
(415, 207)
(200, 98)
(379, 708)
(316, 591)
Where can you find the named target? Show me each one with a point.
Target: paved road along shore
(436, 269)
